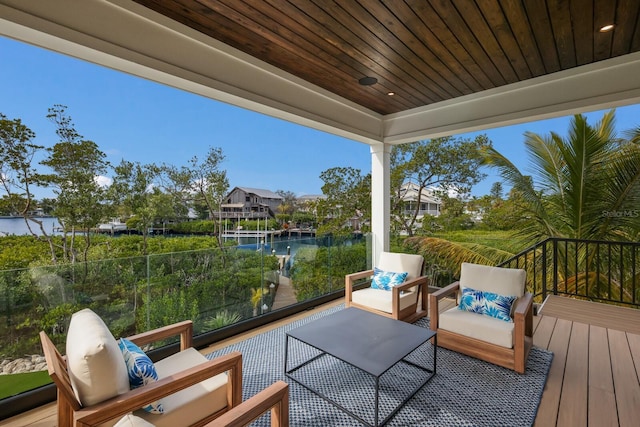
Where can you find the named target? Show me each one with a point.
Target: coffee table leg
(435, 348)
(286, 353)
(377, 398)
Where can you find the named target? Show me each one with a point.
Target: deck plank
(634, 346)
(543, 331)
(573, 401)
(44, 416)
(548, 410)
(602, 399)
(625, 379)
(593, 313)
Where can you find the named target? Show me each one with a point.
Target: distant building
(306, 203)
(430, 204)
(250, 203)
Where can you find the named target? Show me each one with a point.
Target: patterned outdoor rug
(464, 391)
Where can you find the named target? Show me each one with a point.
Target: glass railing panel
(212, 287)
(320, 269)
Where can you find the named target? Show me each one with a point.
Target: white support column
(380, 199)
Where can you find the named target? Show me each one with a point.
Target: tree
(584, 186)
(132, 190)
(210, 185)
(496, 190)
(288, 206)
(76, 163)
(176, 188)
(453, 215)
(444, 164)
(495, 213)
(18, 177)
(348, 196)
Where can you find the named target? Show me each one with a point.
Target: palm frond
(621, 195)
(633, 135)
(531, 205)
(546, 161)
(450, 255)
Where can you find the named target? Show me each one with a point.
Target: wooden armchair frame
(274, 398)
(409, 314)
(512, 358)
(72, 414)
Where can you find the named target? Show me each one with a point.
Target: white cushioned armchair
(405, 301)
(505, 338)
(93, 381)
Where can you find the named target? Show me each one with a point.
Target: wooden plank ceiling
(422, 51)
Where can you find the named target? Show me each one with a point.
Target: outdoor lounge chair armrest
(274, 397)
(349, 279)
(445, 292)
(435, 297)
(184, 329)
(137, 398)
(524, 307)
(359, 275)
(418, 281)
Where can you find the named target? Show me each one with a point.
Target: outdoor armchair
(481, 324)
(93, 380)
(404, 299)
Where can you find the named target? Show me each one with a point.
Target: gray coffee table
(371, 343)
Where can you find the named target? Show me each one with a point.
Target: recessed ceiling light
(391, 93)
(606, 28)
(368, 81)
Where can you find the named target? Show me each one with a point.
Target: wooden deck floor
(593, 379)
(594, 376)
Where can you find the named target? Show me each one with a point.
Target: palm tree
(583, 186)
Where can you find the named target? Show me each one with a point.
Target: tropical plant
(221, 319)
(257, 297)
(584, 186)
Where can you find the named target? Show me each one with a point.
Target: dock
(265, 234)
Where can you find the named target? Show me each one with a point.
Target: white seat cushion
(381, 300)
(96, 367)
(192, 404)
(473, 325)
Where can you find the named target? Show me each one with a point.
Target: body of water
(17, 226)
(283, 245)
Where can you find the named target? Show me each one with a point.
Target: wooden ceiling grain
(423, 51)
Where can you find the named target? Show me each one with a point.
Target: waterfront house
(250, 203)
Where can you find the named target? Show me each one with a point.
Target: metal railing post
(544, 271)
(555, 266)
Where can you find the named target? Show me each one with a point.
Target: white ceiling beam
(605, 84)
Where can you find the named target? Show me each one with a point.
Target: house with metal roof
(250, 203)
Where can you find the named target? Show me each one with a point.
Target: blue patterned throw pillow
(472, 301)
(385, 280)
(141, 370)
(487, 303)
(498, 306)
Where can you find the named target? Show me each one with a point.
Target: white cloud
(103, 181)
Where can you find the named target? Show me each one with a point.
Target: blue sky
(138, 120)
